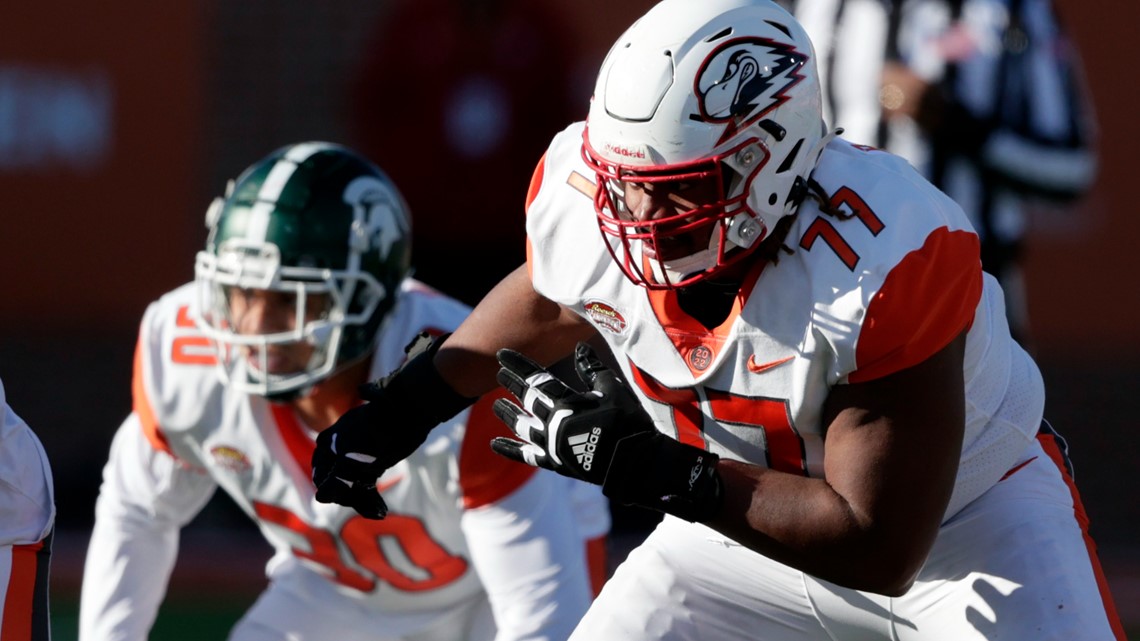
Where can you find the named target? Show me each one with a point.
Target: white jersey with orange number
(859, 296)
(453, 536)
(857, 299)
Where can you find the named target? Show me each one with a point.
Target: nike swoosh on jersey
(758, 368)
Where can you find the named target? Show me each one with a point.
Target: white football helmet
(698, 90)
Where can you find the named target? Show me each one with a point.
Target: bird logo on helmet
(745, 79)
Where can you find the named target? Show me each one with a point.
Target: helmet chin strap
(813, 157)
(742, 231)
(307, 388)
(674, 271)
(293, 394)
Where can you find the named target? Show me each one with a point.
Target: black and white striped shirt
(1021, 119)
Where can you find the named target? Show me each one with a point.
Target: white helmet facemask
(319, 314)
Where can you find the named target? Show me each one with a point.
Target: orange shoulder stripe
(296, 439)
(531, 194)
(142, 406)
(486, 477)
(925, 301)
(536, 181)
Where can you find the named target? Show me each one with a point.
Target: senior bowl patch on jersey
(230, 458)
(605, 316)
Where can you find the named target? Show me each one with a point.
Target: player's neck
(333, 396)
(709, 302)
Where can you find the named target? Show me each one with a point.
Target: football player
(27, 521)
(302, 294)
(817, 383)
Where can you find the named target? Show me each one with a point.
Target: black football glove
(401, 411)
(602, 436)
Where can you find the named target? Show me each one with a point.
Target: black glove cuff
(419, 379)
(657, 472)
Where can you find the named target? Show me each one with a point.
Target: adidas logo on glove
(584, 445)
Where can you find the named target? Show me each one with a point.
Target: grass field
(180, 619)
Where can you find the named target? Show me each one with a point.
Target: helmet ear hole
(790, 159)
(774, 128)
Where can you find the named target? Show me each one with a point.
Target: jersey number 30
(363, 538)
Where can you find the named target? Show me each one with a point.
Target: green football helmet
(325, 228)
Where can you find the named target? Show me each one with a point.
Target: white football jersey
(859, 297)
(440, 547)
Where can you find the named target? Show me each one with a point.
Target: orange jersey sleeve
(486, 477)
(925, 301)
(142, 405)
(531, 194)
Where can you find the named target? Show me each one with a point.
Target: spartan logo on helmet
(744, 79)
(379, 208)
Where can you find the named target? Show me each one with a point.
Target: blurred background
(120, 122)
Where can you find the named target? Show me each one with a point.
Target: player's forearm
(803, 522)
(539, 327)
(125, 578)
(145, 499)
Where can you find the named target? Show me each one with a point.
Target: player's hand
(401, 411)
(359, 447)
(602, 436)
(573, 433)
